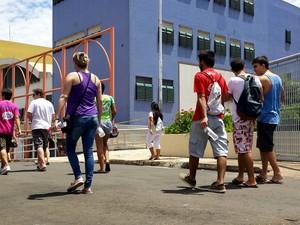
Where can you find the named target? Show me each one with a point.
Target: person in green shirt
(107, 117)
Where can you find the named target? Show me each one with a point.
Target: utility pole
(160, 69)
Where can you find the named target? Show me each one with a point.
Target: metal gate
(287, 136)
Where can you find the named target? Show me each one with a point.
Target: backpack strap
(210, 77)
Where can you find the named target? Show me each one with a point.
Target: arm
(29, 116)
(226, 97)
(113, 111)
(203, 110)
(99, 100)
(150, 124)
(64, 96)
(18, 123)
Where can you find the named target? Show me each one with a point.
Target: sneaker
(107, 167)
(186, 178)
(8, 168)
(86, 191)
(218, 188)
(4, 170)
(76, 184)
(42, 168)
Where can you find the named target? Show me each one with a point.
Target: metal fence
(287, 135)
(130, 137)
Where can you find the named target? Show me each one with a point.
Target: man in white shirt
(41, 113)
(243, 129)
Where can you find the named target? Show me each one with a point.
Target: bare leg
(157, 154)
(4, 160)
(193, 164)
(264, 161)
(221, 167)
(99, 146)
(152, 153)
(241, 163)
(41, 156)
(249, 167)
(47, 155)
(273, 162)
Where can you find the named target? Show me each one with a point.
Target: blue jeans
(84, 127)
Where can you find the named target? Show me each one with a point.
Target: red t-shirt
(202, 86)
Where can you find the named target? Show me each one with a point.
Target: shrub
(183, 123)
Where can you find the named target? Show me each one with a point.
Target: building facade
(232, 28)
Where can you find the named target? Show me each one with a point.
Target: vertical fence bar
(112, 62)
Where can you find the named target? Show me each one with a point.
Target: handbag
(160, 125)
(114, 131)
(67, 126)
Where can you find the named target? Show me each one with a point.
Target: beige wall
(187, 97)
(177, 145)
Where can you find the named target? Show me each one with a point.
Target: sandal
(245, 185)
(276, 181)
(235, 181)
(260, 179)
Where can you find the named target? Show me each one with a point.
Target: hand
(18, 133)
(151, 131)
(204, 122)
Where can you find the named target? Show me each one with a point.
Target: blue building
(233, 28)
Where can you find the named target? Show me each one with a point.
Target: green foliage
(228, 122)
(183, 123)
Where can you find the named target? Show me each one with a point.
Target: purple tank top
(87, 105)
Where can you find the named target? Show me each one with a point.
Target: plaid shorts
(243, 136)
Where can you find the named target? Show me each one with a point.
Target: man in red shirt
(207, 123)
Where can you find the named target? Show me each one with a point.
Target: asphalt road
(135, 195)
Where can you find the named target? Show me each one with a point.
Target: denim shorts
(106, 126)
(198, 138)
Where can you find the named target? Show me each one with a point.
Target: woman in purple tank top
(79, 92)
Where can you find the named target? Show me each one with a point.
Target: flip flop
(245, 185)
(235, 181)
(261, 180)
(276, 181)
(100, 171)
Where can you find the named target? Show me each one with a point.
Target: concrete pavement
(141, 156)
(135, 195)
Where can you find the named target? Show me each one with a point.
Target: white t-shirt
(42, 111)
(236, 87)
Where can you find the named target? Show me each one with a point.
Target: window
(143, 88)
(249, 51)
(56, 1)
(220, 2)
(249, 7)
(288, 36)
(235, 48)
(93, 29)
(235, 4)
(203, 41)
(185, 37)
(167, 33)
(220, 45)
(69, 39)
(168, 91)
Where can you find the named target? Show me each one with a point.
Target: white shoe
(8, 168)
(76, 184)
(4, 170)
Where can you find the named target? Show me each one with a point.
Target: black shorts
(5, 142)
(265, 136)
(40, 138)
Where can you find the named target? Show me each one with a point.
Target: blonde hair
(81, 59)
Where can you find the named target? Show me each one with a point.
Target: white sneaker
(4, 170)
(76, 184)
(8, 168)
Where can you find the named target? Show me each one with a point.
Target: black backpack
(250, 104)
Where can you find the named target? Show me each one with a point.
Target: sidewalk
(140, 157)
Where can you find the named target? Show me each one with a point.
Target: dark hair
(156, 112)
(102, 87)
(39, 92)
(208, 57)
(261, 60)
(237, 65)
(81, 59)
(7, 94)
